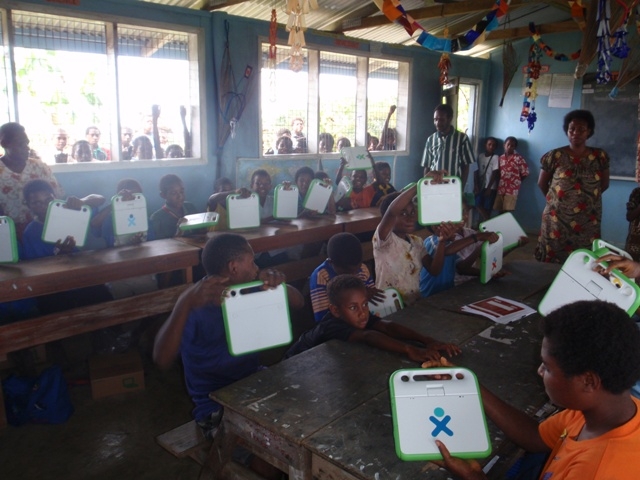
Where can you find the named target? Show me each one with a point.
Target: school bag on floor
(42, 399)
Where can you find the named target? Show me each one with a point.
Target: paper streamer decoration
(561, 57)
(393, 10)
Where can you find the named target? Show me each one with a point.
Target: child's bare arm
(388, 221)
(167, 343)
(385, 342)
(400, 332)
(343, 162)
(376, 175)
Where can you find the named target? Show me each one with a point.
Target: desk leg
(188, 275)
(219, 454)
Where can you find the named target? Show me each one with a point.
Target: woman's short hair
(584, 115)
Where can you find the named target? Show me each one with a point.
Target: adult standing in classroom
(447, 150)
(19, 165)
(572, 178)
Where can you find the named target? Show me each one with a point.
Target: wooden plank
(183, 439)
(47, 328)
(42, 276)
(323, 470)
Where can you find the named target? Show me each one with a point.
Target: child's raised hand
(271, 278)
(437, 176)
(209, 290)
(243, 192)
(522, 241)
(136, 239)
(65, 246)
(492, 237)
(286, 185)
(127, 195)
(343, 162)
(630, 268)
(375, 295)
(73, 203)
(447, 231)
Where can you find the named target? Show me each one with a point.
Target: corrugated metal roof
(333, 15)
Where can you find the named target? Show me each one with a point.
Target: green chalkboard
(617, 123)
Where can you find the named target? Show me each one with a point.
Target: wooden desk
(325, 414)
(360, 445)
(275, 410)
(42, 276)
(300, 231)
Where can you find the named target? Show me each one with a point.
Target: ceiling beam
(523, 32)
(436, 11)
(217, 4)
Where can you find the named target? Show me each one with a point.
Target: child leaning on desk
(195, 328)
(349, 320)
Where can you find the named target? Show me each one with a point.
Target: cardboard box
(114, 374)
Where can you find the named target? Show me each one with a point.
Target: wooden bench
(186, 441)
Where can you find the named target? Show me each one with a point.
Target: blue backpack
(44, 399)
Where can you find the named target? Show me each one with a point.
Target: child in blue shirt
(344, 252)
(195, 328)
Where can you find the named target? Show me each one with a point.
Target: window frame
(405, 69)
(197, 59)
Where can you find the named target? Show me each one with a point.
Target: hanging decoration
(590, 42)
(561, 57)
(577, 13)
(619, 47)
(528, 113)
(394, 11)
(444, 65)
(296, 9)
(604, 42)
(273, 53)
(630, 68)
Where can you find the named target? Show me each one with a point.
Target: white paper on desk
(499, 309)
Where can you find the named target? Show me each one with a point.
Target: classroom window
(337, 95)
(72, 74)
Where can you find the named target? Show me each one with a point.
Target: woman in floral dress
(572, 178)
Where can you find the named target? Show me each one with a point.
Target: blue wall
(244, 39)
(548, 134)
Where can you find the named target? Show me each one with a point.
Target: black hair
(444, 108)
(386, 202)
(283, 131)
(338, 285)
(595, 336)
(169, 180)
(304, 171)
(514, 139)
(321, 175)
(584, 115)
(86, 132)
(222, 249)
(9, 131)
(261, 172)
(344, 250)
(288, 143)
(142, 147)
(76, 146)
(345, 142)
(217, 184)
(35, 186)
(127, 183)
(382, 165)
(491, 138)
(328, 141)
(174, 151)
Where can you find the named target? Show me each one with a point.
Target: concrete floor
(114, 437)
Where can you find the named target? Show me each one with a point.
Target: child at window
(164, 222)
(397, 253)
(81, 152)
(344, 252)
(349, 320)
(513, 169)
